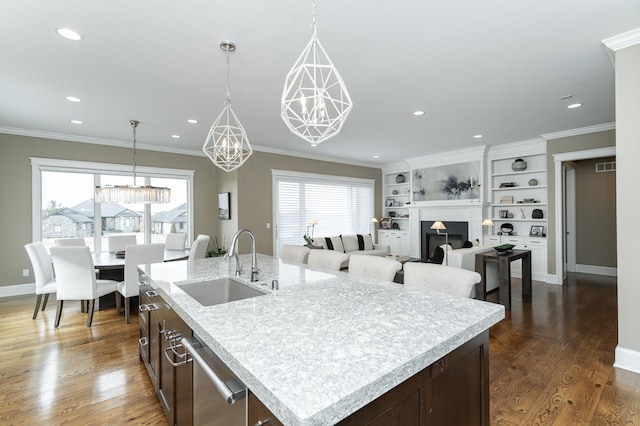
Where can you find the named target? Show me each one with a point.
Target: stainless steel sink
(222, 290)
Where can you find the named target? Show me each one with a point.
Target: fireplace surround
(458, 233)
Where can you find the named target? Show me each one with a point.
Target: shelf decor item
(537, 231)
(519, 165)
(504, 248)
(533, 182)
(400, 178)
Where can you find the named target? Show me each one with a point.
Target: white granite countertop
(325, 344)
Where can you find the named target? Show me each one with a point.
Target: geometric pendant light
(227, 144)
(315, 101)
(132, 194)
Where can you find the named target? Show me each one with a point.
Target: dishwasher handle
(231, 390)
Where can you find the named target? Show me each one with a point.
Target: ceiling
(497, 68)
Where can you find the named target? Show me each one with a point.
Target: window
(339, 205)
(64, 206)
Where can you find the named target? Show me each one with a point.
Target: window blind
(340, 205)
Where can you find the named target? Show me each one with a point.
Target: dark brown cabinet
(164, 357)
(452, 391)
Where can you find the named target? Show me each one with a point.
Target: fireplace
(458, 233)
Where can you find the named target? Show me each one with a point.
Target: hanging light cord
(134, 124)
(314, 24)
(228, 99)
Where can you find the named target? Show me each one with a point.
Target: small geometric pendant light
(315, 101)
(227, 144)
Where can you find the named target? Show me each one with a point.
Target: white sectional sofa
(465, 258)
(352, 244)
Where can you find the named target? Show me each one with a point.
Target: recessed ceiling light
(73, 99)
(376, 156)
(192, 121)
(77, 122)
(175, 136)
(68, 34)
(573, 106)
(418, 112)
(478, 136)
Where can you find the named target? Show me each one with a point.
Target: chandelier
(132, 194)
(315, 101)
(227, 144)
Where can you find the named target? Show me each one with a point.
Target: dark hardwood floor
(551, 363)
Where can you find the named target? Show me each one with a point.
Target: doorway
(564, 251)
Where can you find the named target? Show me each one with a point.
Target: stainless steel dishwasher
(219, 398)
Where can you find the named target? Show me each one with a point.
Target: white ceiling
(498, 68)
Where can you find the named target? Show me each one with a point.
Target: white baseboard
(597, 270)
(17, 290)
(627, 359)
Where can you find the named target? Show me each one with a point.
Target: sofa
(465, 258)
(352, 244)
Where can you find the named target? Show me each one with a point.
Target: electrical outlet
(25, 272)
(268, 226)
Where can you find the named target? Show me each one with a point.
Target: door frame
(558, 159)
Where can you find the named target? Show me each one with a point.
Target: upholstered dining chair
(69, 242)
(445, 279)
(43, 273)
(294, 254)
(120, 242)
(76, 279)
(326, 259)
(135, 255)
(175, 241)
(199, 247)
(373, 267)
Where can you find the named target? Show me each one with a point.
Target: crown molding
(624, 40)
(171, 150)
(97, 141)
(579, 131)
(518, 149)
(290, 153)
(448, 157)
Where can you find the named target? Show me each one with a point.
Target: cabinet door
(258, 414)
(405, 244)
(174, 381)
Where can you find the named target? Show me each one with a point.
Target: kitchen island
(325, 344)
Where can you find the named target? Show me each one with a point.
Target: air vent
(606, 167)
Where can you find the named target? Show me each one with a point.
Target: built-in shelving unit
(514, 195)
(397, 197)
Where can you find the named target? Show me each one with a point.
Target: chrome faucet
(233, 251)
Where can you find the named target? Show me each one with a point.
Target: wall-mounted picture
(537, 231)
(224, 205)
(389, 202)
(450, 182)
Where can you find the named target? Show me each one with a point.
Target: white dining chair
(76, 279)
(326, 259)
(294, 254)
(120, 242)
(70, 242)
(135, 255)
(373, 267)
(43, 273)
(445, 279)
(199, 247)
(175, 241)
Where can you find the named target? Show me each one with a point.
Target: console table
(504, 273)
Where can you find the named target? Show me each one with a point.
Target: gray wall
(562, 145)
(628, 153)
(255, 191)
(250, 187)
(595, 214)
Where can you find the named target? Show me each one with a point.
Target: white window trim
(39, 165)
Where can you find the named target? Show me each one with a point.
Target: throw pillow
(365, 242)
(334, 243)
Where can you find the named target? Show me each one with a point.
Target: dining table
(110, 265)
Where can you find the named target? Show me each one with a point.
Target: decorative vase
(400, 178)
(519, 165)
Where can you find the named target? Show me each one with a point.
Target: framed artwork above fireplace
(450, 182)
